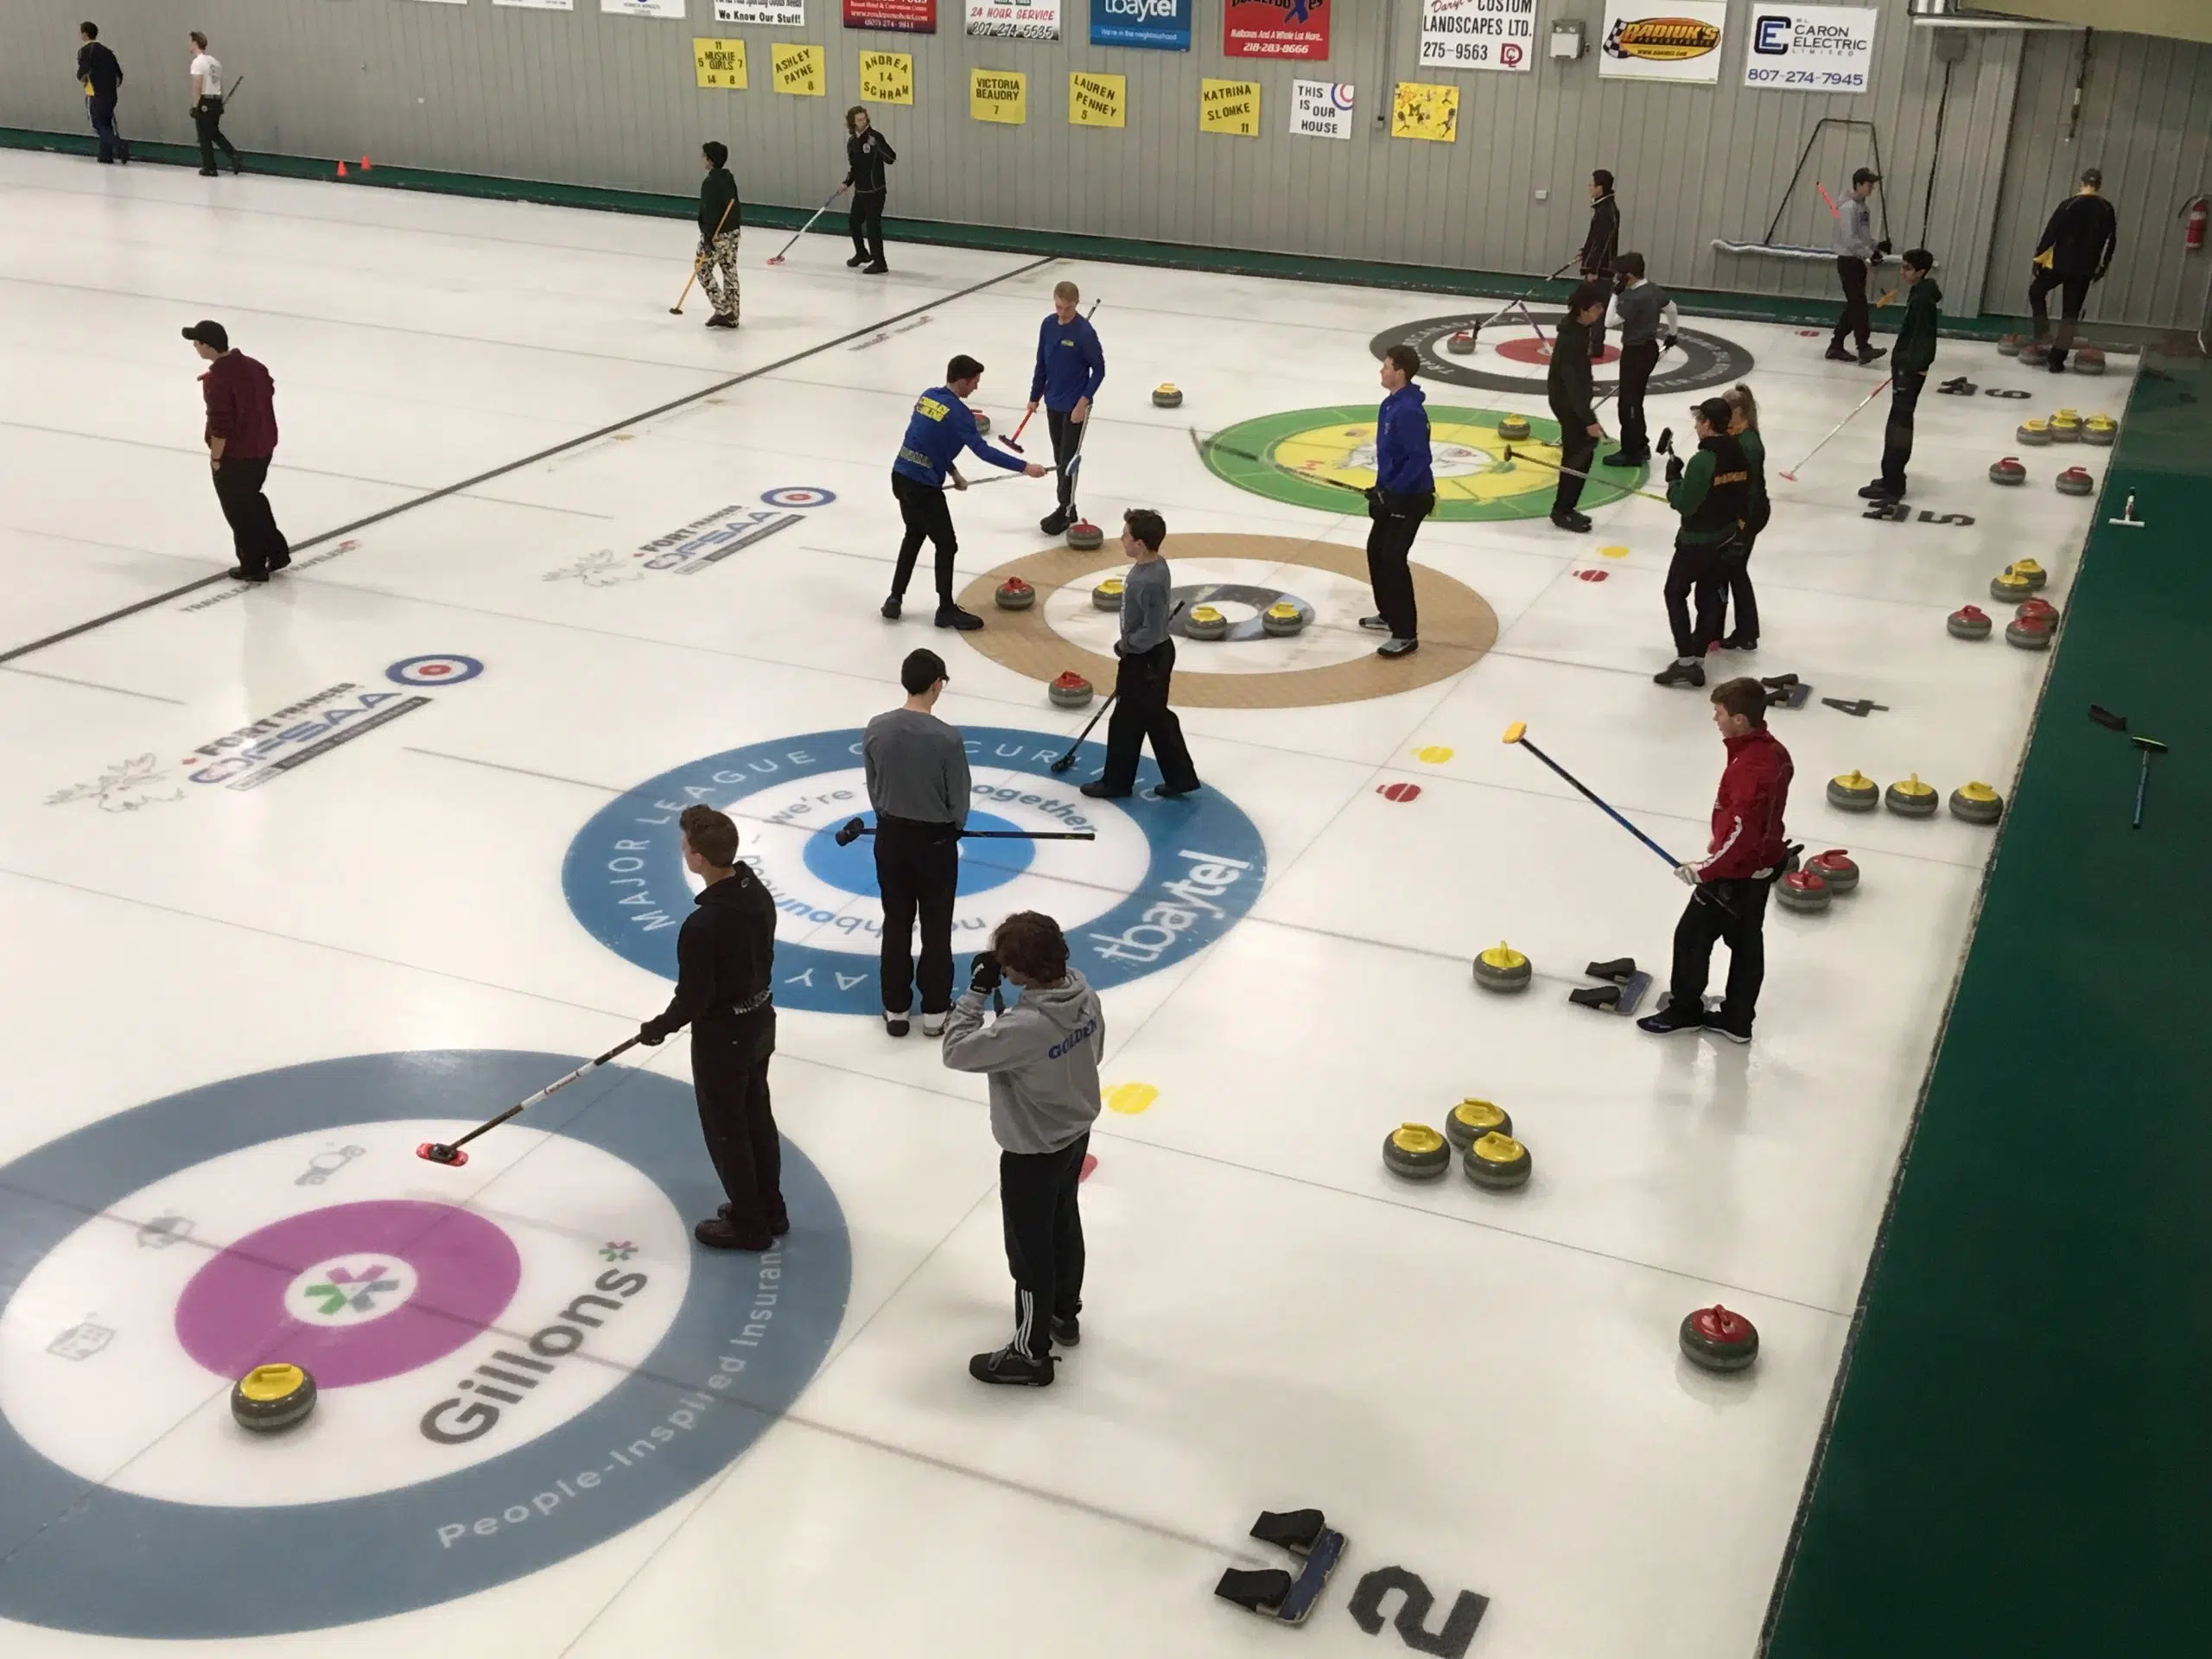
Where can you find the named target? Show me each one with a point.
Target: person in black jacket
(1568, 383)
(868, 152)
(723, 956)
(1600, 247)
(1712, 492)
(2077, 249)
(718, 226)
(101, 76)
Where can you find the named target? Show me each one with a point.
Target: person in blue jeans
(101, 76)
(1404, 494)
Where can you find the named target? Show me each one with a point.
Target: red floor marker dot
(1539, 351)
(1590, 575)
(1400, 791)
(1089, 1163)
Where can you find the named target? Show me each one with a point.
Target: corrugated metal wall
(587, 99)
(2147, 121)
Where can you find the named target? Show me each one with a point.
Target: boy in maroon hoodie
(241, 441)
(1729, 900)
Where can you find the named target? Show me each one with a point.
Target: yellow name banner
(998, 95)
(797, 70)
(720, 63)
(1097, 100)
(887, 78)
(1230, 108)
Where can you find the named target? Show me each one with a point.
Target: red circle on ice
(1518, 350)
(1400, 791)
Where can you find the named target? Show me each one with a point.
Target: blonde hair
(1740, 399)
(1067, 291)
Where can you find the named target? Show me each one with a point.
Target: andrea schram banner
(1157, 25)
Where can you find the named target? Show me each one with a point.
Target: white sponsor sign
(1811, 48)
(539, 5)
(1478, 34)
(1662, 40)
(1016, 20)
(1321, 109)
(645, 7)
(783, 14)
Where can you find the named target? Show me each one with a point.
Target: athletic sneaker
(1164, 793)
(1683, 1016)
(1055, 522)
(1374, 625)
(282, 561)
(1721, 1027)
(719, 1235)
(1622, 458)
(1836, 353)
(1878, 490)
(891, 608)
(1011, 1366)
(1872, 354)
(1577, 522)
(718, 320)
(1738, 642)
(1097, 790)
(239, 573)
(856, 262)
(951, 616)
(876, 269)
(206, 172)
(1395, 647)
(1679, 673)
(776, 1228)
(1067, 1332)
(895, 1023)
(932, 1025)
(2057, 361)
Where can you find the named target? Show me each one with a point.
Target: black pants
(1730, 912)
(1044, 1239)
(927, 517)
(729, 1075)
(1897, 436)
(918, 868)
(1577, 449)
(261, 545)
(1140, 713)
(1637, 363)
(1697, 568)
(1067, 450)
(113, 147)
(207, 121)
(866, 221)
(1598, 328)
(1734, 588)
(1396, 520)
(2075, 293)
(1856, 318)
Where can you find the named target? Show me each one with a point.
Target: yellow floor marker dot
(1613, 552)
(1435, 754)
(1130, 1098)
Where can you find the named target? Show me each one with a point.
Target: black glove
(1666, 444)
(1668, 344)
(1882, 246)
(1674, 470)
(985, 975)
(652, 1035)
(1374, 494)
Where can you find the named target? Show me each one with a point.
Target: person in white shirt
(208, 106)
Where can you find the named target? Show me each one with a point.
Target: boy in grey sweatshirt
(1041, 1058)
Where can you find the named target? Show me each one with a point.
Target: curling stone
(2007, 471)
(1714, 1339)
(2074, 480)
(1460, 344)
(1083, 535)
(1282, 618)
(2100, 430)
(1969, 622)
(1501, 968)
(2037, 351)
(2038, 607)
(2034, 431)
(271, 1397)
(1514, 429)
(2087, 359)
(1836, 867)
(1911, 799)
(1070, 690)
(982, 423)
(1977, 803)
(1015, 595)
(2009, 587)
(1801, 891)
(1470, 1120)
(1107, 595)
(1205, 622)
(2065, 427)
(1416, 1152)
(2029, 633)
(1167, 395)
(2038, 578)
(1855, 791)
(1497, 1161)
(2008, 346)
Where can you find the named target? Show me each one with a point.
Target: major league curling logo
(1163, 880)
(513, 1364)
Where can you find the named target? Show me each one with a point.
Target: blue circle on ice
(984, 864)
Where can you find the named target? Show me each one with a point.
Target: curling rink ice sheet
(299, 877)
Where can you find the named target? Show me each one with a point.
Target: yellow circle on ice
(1130, 1098)
(1613, 552)
(1434, 754)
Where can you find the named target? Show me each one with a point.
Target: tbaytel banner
(1161, 25)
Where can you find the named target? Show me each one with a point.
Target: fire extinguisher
(2193, 216)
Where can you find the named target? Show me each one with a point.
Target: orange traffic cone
(342, 169)
(364, 165)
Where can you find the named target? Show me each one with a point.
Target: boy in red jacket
(241, 443)
(1730, 885)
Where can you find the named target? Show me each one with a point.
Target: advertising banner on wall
(1811, 49)
(779, 14)
(1158, 25)
(1276, 29)
(671, 9)
(1478, 34)
(1097, 100)
(1321, 109)
(1015, 20)
(1663, 39)
(908, 17)
(539, 5)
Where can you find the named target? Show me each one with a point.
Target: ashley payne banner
(1276, 29)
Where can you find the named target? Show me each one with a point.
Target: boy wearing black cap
(1712, 492)
(918, 782)
(2076, 249)
(941, 427)
(1567, 384)
(241, 435)
(1855, 250)
(718, 228)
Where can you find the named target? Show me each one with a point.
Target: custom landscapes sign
(1478, 34)
(1157, 25)
(1811, 48)
(1663, 42)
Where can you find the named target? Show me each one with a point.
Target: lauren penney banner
(1276, 29)
(1159, 25)
(908, 17)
